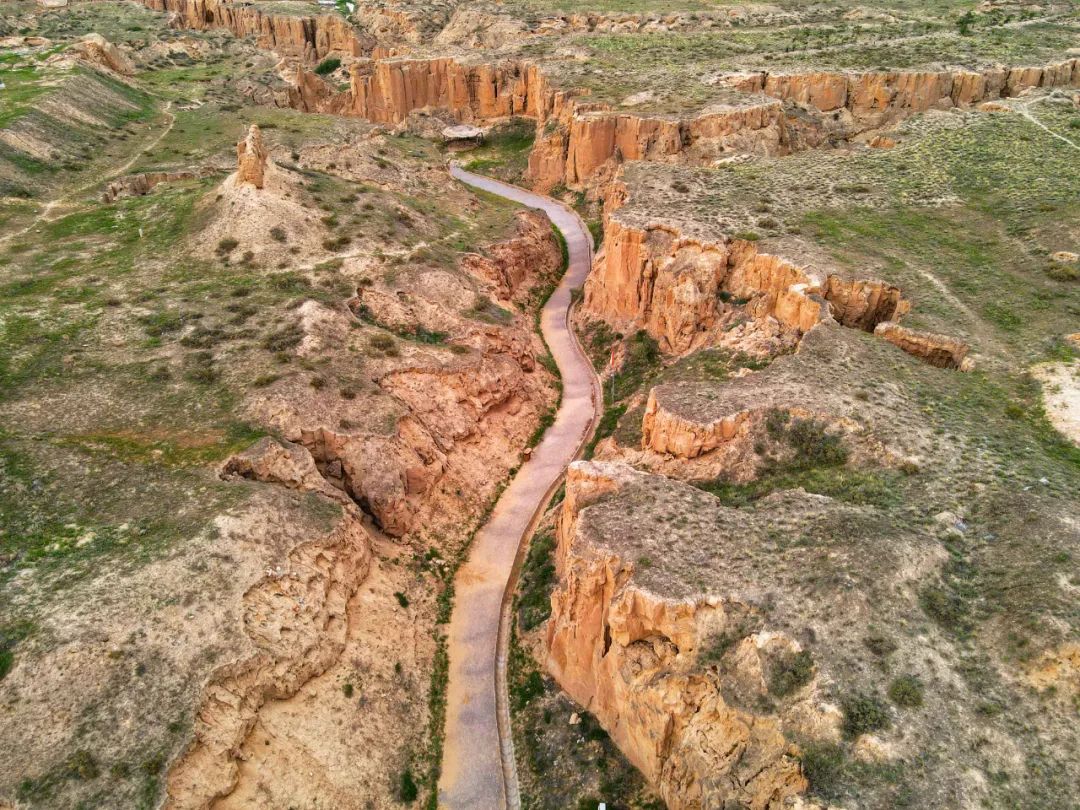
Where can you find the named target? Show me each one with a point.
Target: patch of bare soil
(1061, 396)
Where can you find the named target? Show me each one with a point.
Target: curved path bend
(478, 767)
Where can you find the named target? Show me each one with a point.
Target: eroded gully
(478, 771)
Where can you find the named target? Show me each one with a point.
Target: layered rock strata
(310, 38)
(658, 630)
(579, 141)
(874, 98)
(677, 288)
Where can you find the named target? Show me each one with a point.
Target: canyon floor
(266, 368)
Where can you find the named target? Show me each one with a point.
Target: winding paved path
(473, 775)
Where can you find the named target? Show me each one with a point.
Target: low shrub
(792, 672)
(906, 691)
(864, 713)
(327, 66)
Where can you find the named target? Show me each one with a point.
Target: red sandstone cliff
(308, 37)
(875, 97)
(675, 287)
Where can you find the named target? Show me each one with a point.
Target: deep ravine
(472, 772)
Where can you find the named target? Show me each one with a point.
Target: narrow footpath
(478, 743)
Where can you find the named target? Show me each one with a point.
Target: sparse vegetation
(145, 340)
(906, 691)
(791, 673)
(863, 713)
(536, 580)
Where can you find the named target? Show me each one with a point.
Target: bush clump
(906, 692)
(824, 767)
(327, 66)
(864, 713)
(407, 788)
(791, 673)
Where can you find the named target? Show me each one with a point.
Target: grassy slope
(125, 358)
(672, 64)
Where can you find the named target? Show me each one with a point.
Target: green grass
(864, 487)
(504, 153)
(22, 86)
(536, 581)
(670, 64)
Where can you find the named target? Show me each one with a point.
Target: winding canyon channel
(478, 769)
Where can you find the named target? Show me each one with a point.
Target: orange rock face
(251, 157)
(937, 350)
(666, 432)
(581, 142)
(673, 287)
(387, 90)
(875, 97)
(515, 267)
(630, 655)
(308, 37)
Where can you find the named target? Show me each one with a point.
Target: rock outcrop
(136, 185)
(586, 138)
(580, 142)
(387, 90)
(677, 288)
(937, 350)
(251, 158)
(637, 648)
(295, 620)
(310, 38)
(576, 138)
(98, 51)
(284, 463)
(874, 98)
(665, 431)
(516, 266)
(448, 408)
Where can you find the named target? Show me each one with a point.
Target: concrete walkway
(475, 751)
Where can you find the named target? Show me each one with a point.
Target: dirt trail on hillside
(472, 773)
(45, 214)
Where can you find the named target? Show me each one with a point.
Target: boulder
(98, 51)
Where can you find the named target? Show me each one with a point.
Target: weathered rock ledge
(937, 350)
(677, 288)
(660, 630)
(310, 37)
(295, 619)
(580, 141)
(874, 98)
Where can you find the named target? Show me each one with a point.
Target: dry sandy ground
(1061, 393)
